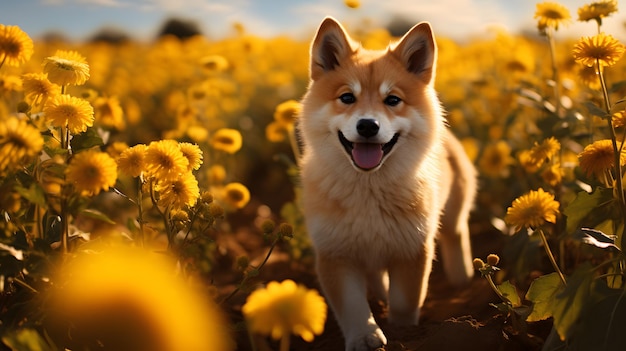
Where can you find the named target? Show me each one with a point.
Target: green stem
(140, 209)
(496, 290)
(551, 256)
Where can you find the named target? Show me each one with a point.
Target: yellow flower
(532, 210)
(125, 298)
(601, 48)
(66, 68)
(551, 14)
(216, 174)
(38, 89)
(236, 195)
(108, 112)
(276, 132)
(287, 112)
(214, 63)
(116, 148)
(193, 154)
(553, 175)
(495, 159)
(91, 171)
(598, 157)
(619, 119)
(19, 143)
(353, 4)
(546, 150)
(164, 160)
(284, 308)
(227, 140)
(597, 10)
(132, 161)
(179, 192)
(65, 110)
(16, 47)
(528, 162)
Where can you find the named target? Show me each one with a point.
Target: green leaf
(589, 209)
(595, 109)
(86, 140)
(26, 340)
(510, 292)
(541, 293)
(34, 193)
(95, 214)
(569, 303)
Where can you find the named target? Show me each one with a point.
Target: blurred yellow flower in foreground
(122, 298)
(66, 68)
(353, 4)
(551, 15)
(284, 308)
(91, 171)
(602, 49)
(16, 47)
(532, 210)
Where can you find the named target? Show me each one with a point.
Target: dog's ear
(418, 51)
(330, 46)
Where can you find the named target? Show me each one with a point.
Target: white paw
(372, 339)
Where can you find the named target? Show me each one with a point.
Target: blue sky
(78, 19)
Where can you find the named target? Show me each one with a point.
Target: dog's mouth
(367, 156)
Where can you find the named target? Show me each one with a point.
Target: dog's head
(371, 102)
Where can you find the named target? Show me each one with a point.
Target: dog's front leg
(345, 287)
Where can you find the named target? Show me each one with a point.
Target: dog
(382, 177)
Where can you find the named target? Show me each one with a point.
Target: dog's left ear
(418, 51)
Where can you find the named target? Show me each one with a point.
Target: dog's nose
(367, 127)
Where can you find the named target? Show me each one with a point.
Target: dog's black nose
(367, 127)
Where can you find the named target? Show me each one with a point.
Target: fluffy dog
(382, 178)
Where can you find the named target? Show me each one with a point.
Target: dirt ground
(452, 319)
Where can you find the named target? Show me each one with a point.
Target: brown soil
(452, 319)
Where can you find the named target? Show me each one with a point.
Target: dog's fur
(382, 175)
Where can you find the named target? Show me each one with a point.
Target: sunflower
(20, 142)
(38, 89)
(66, 68)
(287, 112)
(193, 154)
(276, 132)
(236, 195)
(179, 192)
(164, 160)
(132, 160)
(65, 110)
(91, 171)
(227, 140)
(532, 210)
(551, 15)
(598, 157)
(495, 159)
(530, 163)
(124, 298)
(602, 49)
(284, 308)
(597, 10)
(16, 47)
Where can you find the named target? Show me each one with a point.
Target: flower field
(149, 195)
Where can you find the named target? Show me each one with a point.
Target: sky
(142, 19)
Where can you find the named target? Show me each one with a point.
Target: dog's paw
(372, 339)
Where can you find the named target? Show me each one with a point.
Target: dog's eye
(392, 100)
(347, 98)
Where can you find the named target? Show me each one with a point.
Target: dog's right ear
(330, 46)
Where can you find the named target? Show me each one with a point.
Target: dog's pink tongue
(367, 155)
